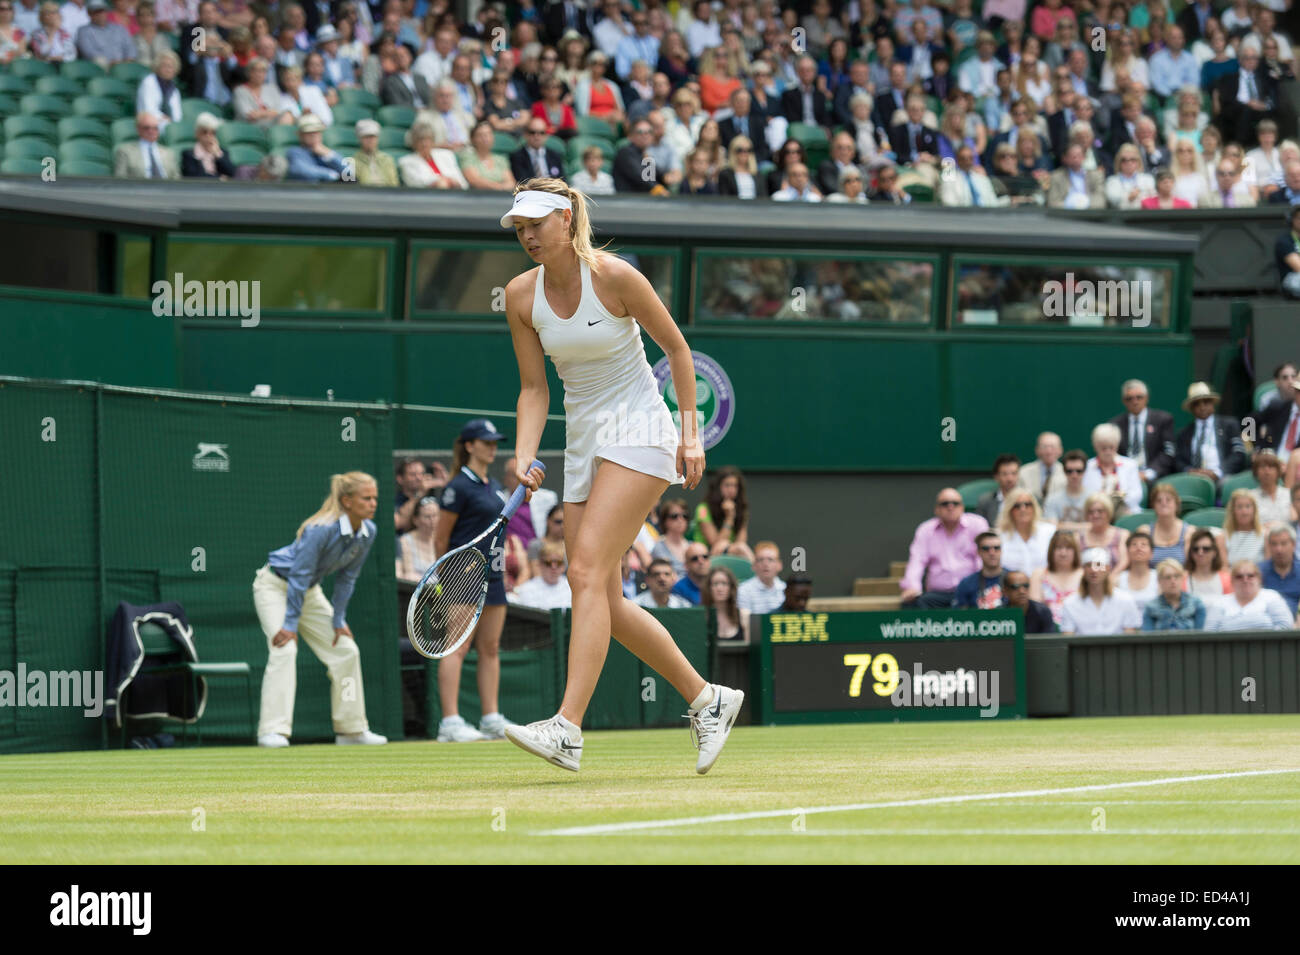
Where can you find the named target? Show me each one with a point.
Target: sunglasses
(743, 149)
(990, 547)
(1074, 470)
(1245, 576)
(1024, 586)
(950, 503)
(1202, 550)
(537, 132)
(552, 563)
(1019, 504)
(698, 557)
(673, 517)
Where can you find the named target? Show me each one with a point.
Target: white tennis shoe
(273, 741)
(454, 729)
(493, 726)
(711, 725)
(549, 739)
(364, 738)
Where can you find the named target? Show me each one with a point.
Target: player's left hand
(690, 463)
(343, 631)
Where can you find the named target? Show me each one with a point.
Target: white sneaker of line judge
(273, 740)
(364, 738)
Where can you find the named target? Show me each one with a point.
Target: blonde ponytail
(579, 224)
(341, 485)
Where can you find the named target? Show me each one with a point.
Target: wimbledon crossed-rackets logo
(715, 399)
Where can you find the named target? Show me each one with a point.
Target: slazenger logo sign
(211, 457)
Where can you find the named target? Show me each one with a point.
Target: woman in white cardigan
(427, 167)
(158, 92)
(1129, 185)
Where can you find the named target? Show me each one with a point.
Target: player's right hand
(282, 637)
(530, 478)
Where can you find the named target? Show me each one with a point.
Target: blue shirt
(306, 165)
(476, 504)
(1288, 586)
(686, 589)
(971, 588)
(323, 549)
(1190, 615)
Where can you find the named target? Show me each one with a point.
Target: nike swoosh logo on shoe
(564, 744)
(717, 709)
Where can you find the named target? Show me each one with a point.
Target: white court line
(875, 833)
(612, 827)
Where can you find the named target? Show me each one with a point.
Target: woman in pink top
(1164, 197)
(1051, 585)
(1043, 22)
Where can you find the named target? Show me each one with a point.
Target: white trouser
(316, 627)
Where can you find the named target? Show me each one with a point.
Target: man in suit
(405, 88)
(804, 102)
(559, 18)
(890, 100)
(1146, 434)
(451, 124)
(1279, 427)
(843, 149)
(533, 159)
(1246, 97)
(911, 141)
(1194, 18)
(1074, 188)
(858, 82)
(1044, 476)
(743, 121)
(1124, 128)
(1154, 154)
(919, 54)
(965, 186)
(194, 41)
(1210, 446)
(145, 158)
(1006, 471)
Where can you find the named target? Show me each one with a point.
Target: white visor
(531, 204)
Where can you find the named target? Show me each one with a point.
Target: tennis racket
(449, 599)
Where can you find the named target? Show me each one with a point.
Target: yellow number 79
(885, 671)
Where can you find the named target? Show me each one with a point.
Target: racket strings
(448, 604)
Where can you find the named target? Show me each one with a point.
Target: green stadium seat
(17, 126)
(392, 139)
(597, 128)
(558, 144)
(39, 104)
(176, 132)
(1197, 492)
(111, 88)
(180, 147)
(1262, 389)
(1244, 479)
(21, 167)
(233, 133)
(807, 134)
(246, 154)
(1131, 522)
(123, 130)
(282, 137)
(193, 106)
(8, 105)
(1206, 517)
(29, 148)
(84, 150)
(397, 155)
(14, 86)
(504, 143)
(572, 166)
(98, 107)
(31, 69)
(919, 191)
(359, 97)
(58, 86)
(402, 116)
(340, 138)
(742, 568)
(81, 70)
(345, 115)
(972, 491)
(579, 143)
(83, 127)
(85, 167)
(131, 73)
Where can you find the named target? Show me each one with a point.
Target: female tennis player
(289, 602)
(471, 501)
(582, 307)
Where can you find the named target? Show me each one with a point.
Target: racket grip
(517, 498)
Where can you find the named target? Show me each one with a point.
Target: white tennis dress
(613, 410)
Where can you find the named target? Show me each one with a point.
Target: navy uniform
(477, 504)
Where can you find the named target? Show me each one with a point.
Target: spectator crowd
(1127, 538)
(1080, 104)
